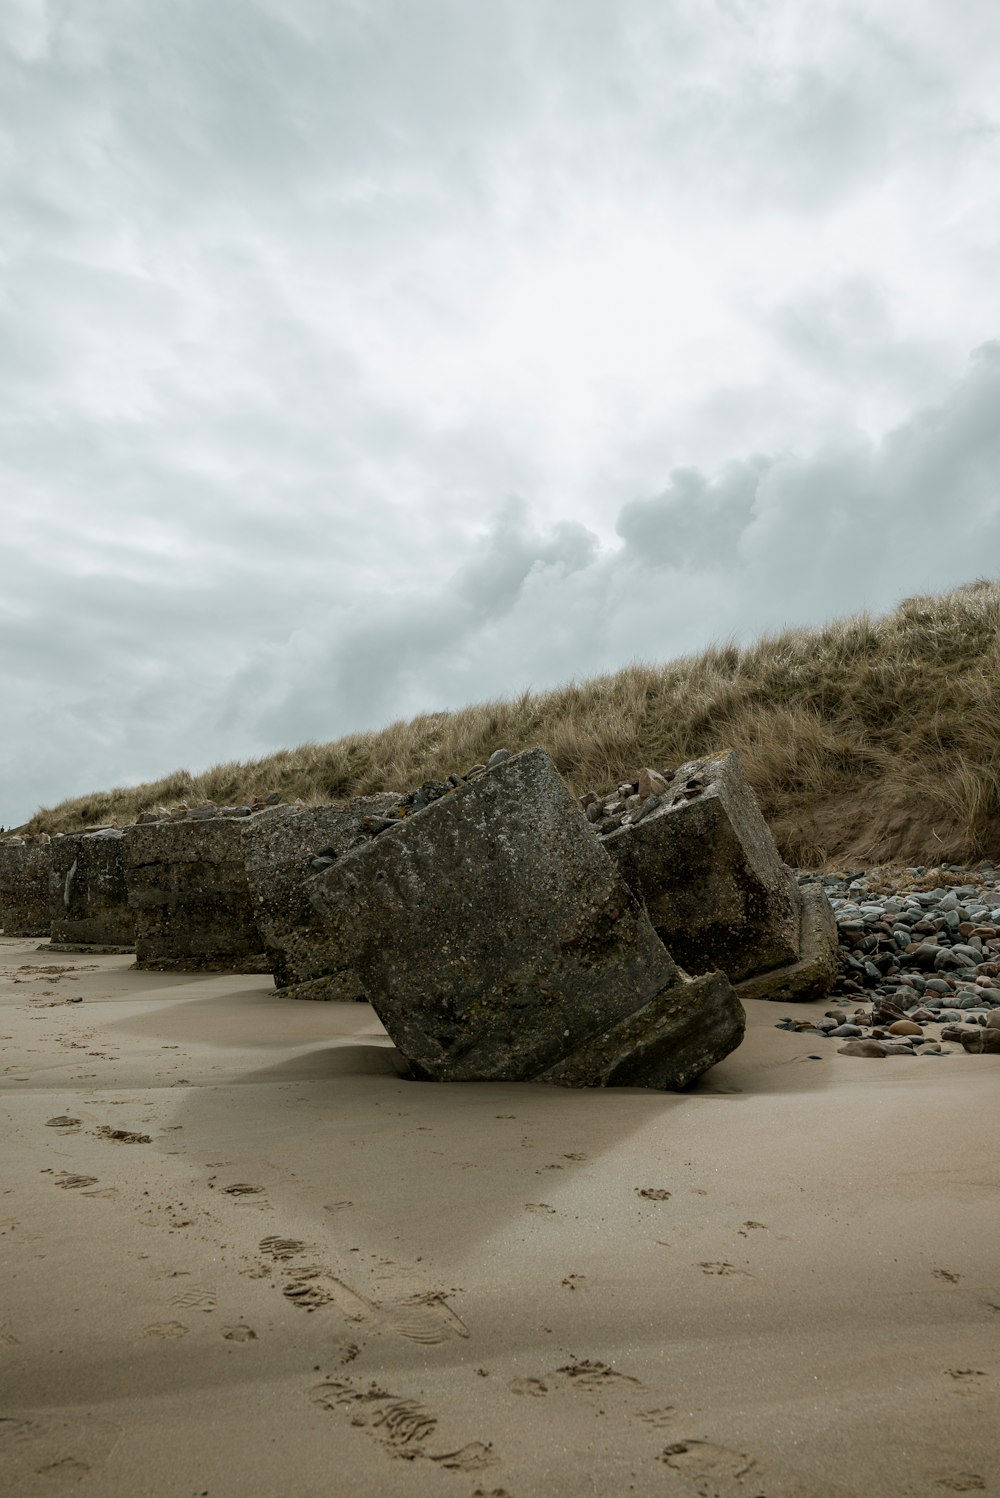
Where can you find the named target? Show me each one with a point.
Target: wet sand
(309, 1278)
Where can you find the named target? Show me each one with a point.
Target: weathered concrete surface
(304, 958)
(88, 902)
(496, 939)
(24, 888)
(813, 973)
(706, 866)
(666, 1044)
(189, 895)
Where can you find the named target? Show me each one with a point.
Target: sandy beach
(241, 1256)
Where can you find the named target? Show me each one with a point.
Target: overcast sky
(365, 357)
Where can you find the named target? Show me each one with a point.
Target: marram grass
(871, 740)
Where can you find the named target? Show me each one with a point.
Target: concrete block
(812, 974)
(496, 940)
(24, 887)
(88, 902)
(305, 959)
(704, 862)
(189, 896)
(667, 1044)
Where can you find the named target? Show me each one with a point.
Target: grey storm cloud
(294, 296)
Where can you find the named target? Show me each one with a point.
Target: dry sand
(315, 1278)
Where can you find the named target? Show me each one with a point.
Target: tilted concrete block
(189, 895)
(88, 901)
(24, 888)
(496, 939)
(705, 864)
(304, 958)
(814, 971)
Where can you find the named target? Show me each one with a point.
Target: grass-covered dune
(871, 740)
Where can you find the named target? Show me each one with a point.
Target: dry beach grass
(867, 741)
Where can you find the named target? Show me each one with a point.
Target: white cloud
(294, 297)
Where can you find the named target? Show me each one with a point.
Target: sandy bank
(785, 1282)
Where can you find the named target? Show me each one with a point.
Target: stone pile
(88, 903)
(496, 939)
(206, 810)
(24, 885)
(925, 953)
(692, 843)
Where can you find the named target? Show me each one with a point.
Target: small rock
(651, 783)
(981, 1042)
(863, 1048)
(497, 758)
(651, 802)
(905, 1027)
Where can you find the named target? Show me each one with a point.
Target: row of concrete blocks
(494, 932)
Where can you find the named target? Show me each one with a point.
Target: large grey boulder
(88, 901)
(703, 860)
(24, 887)
(496, 940)
(189, 895)
(304, 959)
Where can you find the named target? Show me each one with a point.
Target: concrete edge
(813, 975)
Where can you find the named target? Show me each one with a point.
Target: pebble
(923, 955)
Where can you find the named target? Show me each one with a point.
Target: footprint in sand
(167, 1330)
(70, 1182)
(313, 1287)
(239, 1333)
(121, 1136)
(195, 1299)
(944, 1274)
(592, 1375)
(62, 1122)
(281, 1248)
(533, 1387)
(660, 1418)
(653, 1193)
(242, 1189)
(403, 1426)
(723, 1267)
(574, 1281)
(540, 1209)
(425, 1318)
(715, 1471)
(960, 1482)
(968, 1381)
